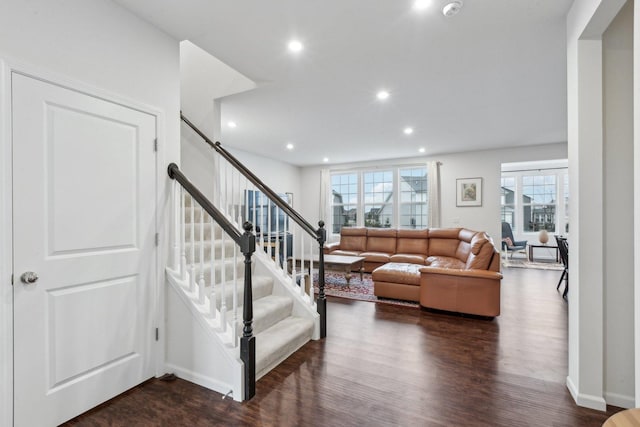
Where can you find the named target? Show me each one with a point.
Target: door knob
(29, 277)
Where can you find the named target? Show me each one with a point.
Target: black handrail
(320, 235)
(227, 226)
(255, 180)
(247, 243)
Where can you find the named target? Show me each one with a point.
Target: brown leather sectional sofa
(452, 269)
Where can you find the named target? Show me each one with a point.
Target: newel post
(322, 299)
(248, 341)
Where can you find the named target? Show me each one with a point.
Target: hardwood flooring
(384, 365)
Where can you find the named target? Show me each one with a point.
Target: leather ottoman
(397, 280)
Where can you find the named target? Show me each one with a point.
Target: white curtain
(434, 193)
(325, 198)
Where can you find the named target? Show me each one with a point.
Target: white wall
(485, 164)
(617, 62)
(586, 22)
(92, 44)
(203, 80)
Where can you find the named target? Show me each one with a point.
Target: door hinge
(155, 144)
(157, 334)
(157, 239)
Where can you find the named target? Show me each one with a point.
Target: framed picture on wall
(469, 192)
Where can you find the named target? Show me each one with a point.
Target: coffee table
(343, 263)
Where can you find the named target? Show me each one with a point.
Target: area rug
(525, 263)
(335, 285)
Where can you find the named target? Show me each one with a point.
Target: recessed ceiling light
(232, 124)
(452, 8)
(295, 46)
(421, 150)
(289, 146)
(382, 95)
(326, 159)
(408, 131)
(421, 4)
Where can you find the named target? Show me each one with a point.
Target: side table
(532, 247)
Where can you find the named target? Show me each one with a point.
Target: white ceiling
(492, 76)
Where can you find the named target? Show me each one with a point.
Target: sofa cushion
(443, 247)
(394, 272)
(410, 258)
(376, 256)
(413, 242)
(444, 262)
(353, 239)
(481, 252)
(381, 240)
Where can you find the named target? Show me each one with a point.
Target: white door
(84, 222)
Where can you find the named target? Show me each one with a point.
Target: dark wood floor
(384, 365)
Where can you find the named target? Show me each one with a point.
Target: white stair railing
(218, 254)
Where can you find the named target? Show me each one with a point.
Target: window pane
(344, 216)
(344, 201)
(413, 198)
(539, 217)
(378, 215)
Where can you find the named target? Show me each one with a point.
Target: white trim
(619, 400)
(6, 251)
(585, 400)
(204, 381)
(8, 66)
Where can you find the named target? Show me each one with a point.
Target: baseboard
(588, 401)
(620, 400)
(201, 380)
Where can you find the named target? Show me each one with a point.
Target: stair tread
(267, 311)
(281, 340)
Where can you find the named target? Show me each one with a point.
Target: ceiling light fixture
(289, 146)
(232, 124)
(408, 131)
(421, 150)
(295, 46)
(382, 95)
(326, 159)
(420, 5)
(452, 8)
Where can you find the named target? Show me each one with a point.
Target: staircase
(279, 333)
(234, 311)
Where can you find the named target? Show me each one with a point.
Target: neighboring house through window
(394, 197)
(535, 199)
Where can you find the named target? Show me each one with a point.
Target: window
(566, 203)
(508, 199)
(413, 198)
(378, 199)
(539, 195)
(344, 188)
(387, 198)
(535, 199)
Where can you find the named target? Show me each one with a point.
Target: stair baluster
(212, 293)
(192, 249)
(201, 269)
(183, 238)
(223, 285)
(175, 225)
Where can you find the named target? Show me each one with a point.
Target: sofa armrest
(330, 247)
(480, 274)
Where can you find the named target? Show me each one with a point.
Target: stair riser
(261, 289)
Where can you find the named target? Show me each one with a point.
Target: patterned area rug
(335, 285)
(525, 263)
